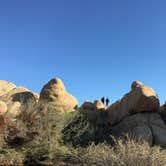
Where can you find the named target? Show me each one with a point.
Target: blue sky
(96, 47)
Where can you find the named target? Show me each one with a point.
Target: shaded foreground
(50, 129)
(48, 148)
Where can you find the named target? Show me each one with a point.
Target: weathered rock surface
(93, 110)
(137, 114)
(54, 92)
(3, 108)
(96, 105)
(146, 126)
(6, 87)
(162, 111)
(141, 98)
(16, 99)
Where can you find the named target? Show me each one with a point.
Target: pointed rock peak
(55, 83)
(136, 84)
(54, 91)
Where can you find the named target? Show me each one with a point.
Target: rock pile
(141, 98)
(137, 114)
(15, 99)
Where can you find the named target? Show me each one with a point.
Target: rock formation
(94, 111)
(162, 111)
(141, 98)
(3, 108)
(137, 114)
(15, 99)
(142, 126)
(54, 93)
(5, 87)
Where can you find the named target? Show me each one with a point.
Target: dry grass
(11, 157)
(130, 153)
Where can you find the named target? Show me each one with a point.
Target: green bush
(48, 144)
(85, 128)
(78, 131)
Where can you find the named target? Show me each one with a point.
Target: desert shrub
(48, 144)
(9, 157)
(18, 133)
(85, 128)
(19, 130)
(78, 130)
(130, 153)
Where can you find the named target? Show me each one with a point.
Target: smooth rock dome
(15, 99)
(54, 92)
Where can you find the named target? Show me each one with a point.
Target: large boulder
(6, 87)
(162, 108)
(55, 94)
(87, 105)
(95, 106)
(3, 108)
(141, 98)
(162, 111)
(142, 126)
(93, 110)
(16, 99)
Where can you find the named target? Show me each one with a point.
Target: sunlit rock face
(14, 100)
(148, 127)
(141, 98)
(54, 92)
(5, 87)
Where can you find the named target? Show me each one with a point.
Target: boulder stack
(15, 99)
(141, 98)
(148, 127)
(54, 93)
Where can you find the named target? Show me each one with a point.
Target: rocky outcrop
(6, 87)
(16, 99)
(137, 114)
(93, 110)
(141, 98)
(96, 105)
(142, 126)
(54, 93)
(3, 108)
(162, 111)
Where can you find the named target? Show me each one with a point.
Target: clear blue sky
(96, 47)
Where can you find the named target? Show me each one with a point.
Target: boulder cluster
(16, 100)
(137, 114)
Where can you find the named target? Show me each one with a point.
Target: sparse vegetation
(130, 153)
(47, 147)
(85, 128)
